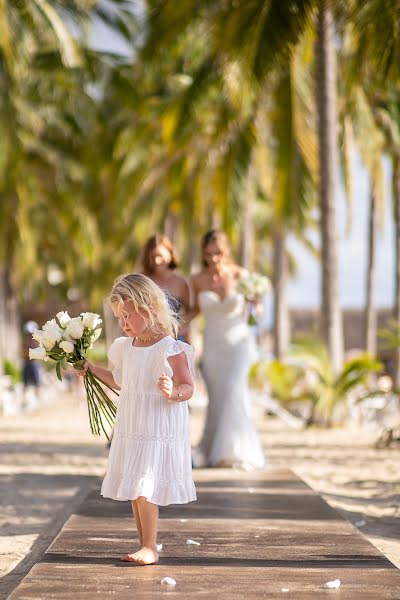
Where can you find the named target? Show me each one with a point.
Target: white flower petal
(168, 581)
(333, 584)
(38, 353)
(68, 347)
(91, 320)
(192, 543)
(63, 318)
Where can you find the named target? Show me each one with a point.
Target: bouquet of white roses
(253, 287)
(66, 340)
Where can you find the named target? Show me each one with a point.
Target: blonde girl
(150, 461)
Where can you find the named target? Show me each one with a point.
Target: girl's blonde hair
(148, 299)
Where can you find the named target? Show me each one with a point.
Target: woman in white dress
(229, 438)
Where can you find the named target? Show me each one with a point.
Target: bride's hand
(256, 305)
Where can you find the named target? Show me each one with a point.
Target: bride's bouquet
(253, 287)
(66, 340)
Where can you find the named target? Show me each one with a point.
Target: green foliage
(12, 370)
(307, 376)
(330, 390)
(284, 380)
(391, 335)
(98, 354)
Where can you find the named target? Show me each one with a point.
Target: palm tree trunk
(370, 309)
(10, 326)
(246, 234)
(111, 328)
(280, 278)
(331, 316)
(171, 225)
(396, 211)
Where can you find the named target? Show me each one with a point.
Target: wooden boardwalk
(260, 533)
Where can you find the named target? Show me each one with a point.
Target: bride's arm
(194, 309)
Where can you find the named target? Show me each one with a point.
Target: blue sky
(304, 289)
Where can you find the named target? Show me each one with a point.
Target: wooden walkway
(260, 533)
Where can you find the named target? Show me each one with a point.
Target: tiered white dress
(150, 453)
(229, 436)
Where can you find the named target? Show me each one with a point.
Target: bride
(229, 438)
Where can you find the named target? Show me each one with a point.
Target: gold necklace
(152, 337)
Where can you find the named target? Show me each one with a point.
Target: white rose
(67, 338)
(68, 347)
(38, 353)
(52, 330)
(91, 320)
(48, 341)
(75, 328)
(52, 324)
(38, 335)
(63, 318)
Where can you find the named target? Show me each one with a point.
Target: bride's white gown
(229, 436)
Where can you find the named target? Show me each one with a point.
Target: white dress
(150, 453)
(229, 435)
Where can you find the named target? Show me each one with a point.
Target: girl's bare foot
(144, 556)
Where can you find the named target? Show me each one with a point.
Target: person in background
(229, 437)
(159, 262)
(31, 369)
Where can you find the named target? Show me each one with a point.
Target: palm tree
(331, 318)
(43, 73)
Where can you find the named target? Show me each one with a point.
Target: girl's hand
(165, 385)
(87, 366)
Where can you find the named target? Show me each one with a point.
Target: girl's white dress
(150, 452)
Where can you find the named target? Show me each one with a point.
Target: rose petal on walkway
(333, 584)
(168, 581)
(192, 543)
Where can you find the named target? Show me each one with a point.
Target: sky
(352, 249)
(304, 289)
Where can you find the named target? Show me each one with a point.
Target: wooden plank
(260, 532)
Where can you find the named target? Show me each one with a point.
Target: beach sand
(49, 460)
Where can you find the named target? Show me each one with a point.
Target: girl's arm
(105, 375)
(180, 387)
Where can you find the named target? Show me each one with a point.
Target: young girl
(150, 460)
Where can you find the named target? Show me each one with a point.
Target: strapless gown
(229, 437)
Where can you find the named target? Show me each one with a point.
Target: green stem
(103, 399)
(102, 405)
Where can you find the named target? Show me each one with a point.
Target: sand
(49, 460)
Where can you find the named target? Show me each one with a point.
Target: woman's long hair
(220, 238)
(150, 245)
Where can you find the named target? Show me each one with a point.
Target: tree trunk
(10, 326)
(331, 316)
(171, 225)
(396, 211)
(246, 234)
(112, 329)
(280, 278)
(370, 309)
